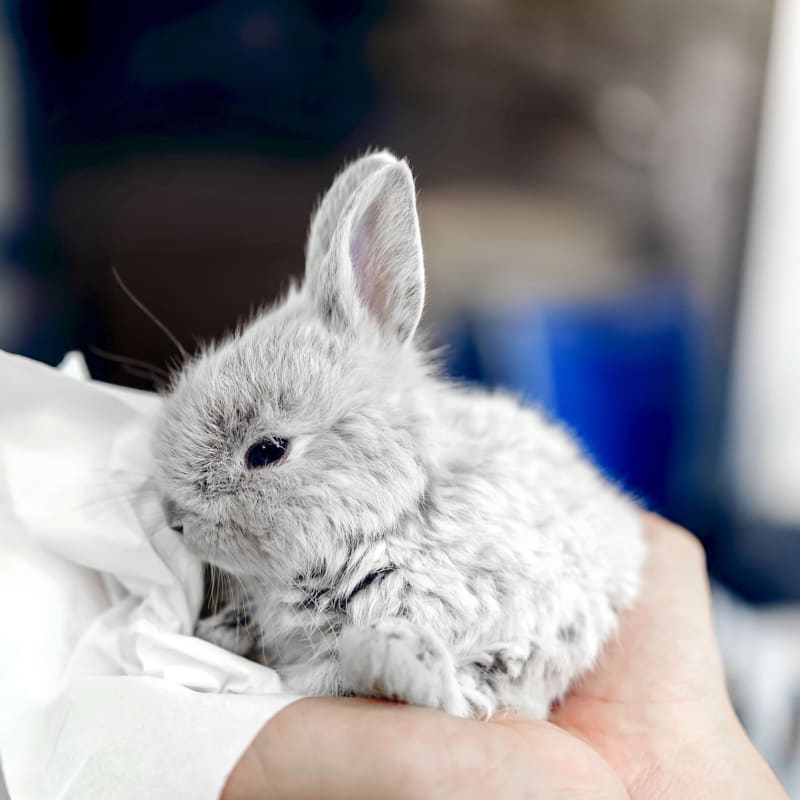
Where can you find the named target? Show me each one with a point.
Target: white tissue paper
(104, 692)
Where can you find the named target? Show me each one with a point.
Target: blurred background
(606, 195)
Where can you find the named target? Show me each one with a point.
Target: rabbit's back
(522, 547)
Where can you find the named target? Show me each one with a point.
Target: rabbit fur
(419, 540)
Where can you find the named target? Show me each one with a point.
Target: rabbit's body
(418, 540)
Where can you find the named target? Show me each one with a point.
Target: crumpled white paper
(104, 692)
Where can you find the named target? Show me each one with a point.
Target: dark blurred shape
(157, 135)
(290, 76)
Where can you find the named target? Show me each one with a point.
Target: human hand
(653, 720)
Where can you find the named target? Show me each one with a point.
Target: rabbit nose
(173, 514)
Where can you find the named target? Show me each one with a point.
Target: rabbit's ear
(374, 271)
(330, 209)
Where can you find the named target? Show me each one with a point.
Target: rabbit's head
(305, 430)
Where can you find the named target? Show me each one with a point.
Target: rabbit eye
(265, 452)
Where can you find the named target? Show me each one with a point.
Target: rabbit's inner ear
(372, 283)
(332, 206)
(385, 251)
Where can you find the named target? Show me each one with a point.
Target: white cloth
(104, 692)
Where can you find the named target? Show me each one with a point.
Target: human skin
(652, 721)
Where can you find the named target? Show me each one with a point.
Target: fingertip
(661, 532)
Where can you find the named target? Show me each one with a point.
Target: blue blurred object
(619, 371)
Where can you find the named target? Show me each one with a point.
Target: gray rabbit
(394, 534)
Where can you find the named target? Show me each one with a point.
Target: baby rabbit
(395, 534)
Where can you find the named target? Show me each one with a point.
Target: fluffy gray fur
(420, 540)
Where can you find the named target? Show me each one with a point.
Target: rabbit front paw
(230, 629)
(398, 660)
